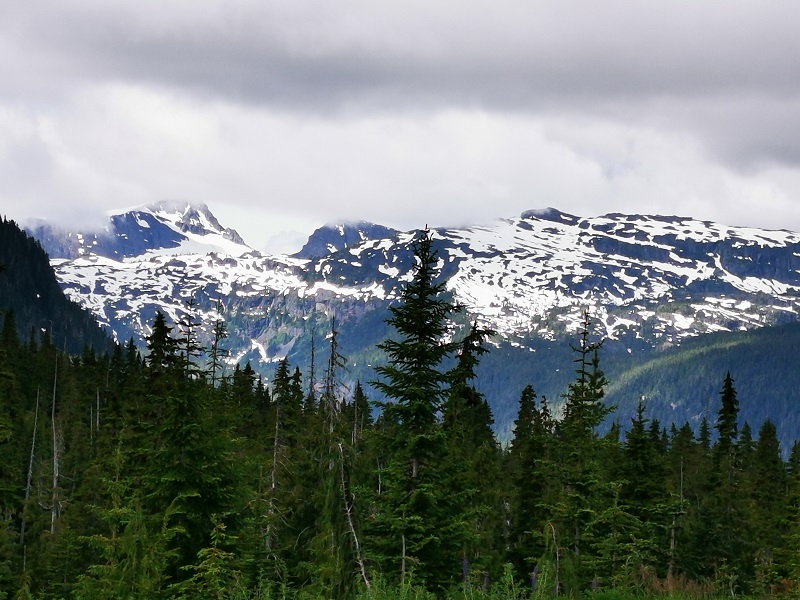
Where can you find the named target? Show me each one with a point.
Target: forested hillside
(30, 292)
(171, 477)
(679, 383)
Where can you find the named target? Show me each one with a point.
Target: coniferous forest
(164, 474)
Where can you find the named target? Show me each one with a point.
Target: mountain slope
(683, 383)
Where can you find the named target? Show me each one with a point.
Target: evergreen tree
(532, 475)
(361, 417)
(769, 506)
(582, 494)
(217, 355)
(692, 475)
(642, 495)
(161, 346)
(189, 347)
(790, 553)
(727, 425)
(729, 505)
(413, 527)
(9, 483)
(472, 463)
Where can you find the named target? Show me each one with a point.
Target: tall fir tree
(579, 448)
(472, 463)
(413, 529)
(532, 475)
(733, 561)
(769, 493)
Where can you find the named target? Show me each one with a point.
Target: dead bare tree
(55, 499)
(30, 469)
(348, 510)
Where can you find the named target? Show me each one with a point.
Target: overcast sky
(284, 115)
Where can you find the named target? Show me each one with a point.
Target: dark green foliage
(413, 526)
(29, 289)
(532, 475)
(727, 418)
(768, 489)
(131, 477)
(583, 493)
(728, 501)
(472, 464)
(642, 473)
(683, 381)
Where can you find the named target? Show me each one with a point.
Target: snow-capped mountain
(651, 278)
(656, 278)
(331, 238)
(163, 227)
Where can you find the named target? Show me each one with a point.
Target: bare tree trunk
(348, 509)
(354, 435)
(54, 507)
(30, 469)
(403, 561)
(273, 483)
(555, 545)
(673, 543)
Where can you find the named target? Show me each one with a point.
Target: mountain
(30, 295)
(169, 227)
(333, 238)
(650, 284)
(659, 279)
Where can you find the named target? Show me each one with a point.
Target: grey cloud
(622, 60)
(505, 55)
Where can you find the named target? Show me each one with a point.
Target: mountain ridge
(659, 277)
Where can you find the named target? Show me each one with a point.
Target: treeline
(169, 477)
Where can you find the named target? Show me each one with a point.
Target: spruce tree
(642, 493)
(329, 564)
(582, 497)
(732, 561)
(532, 475)
(188, 344)
(681, 462)
(217, 354)
(727, 424)
(769, 506)
(692, 472)
(643, 469)
(161, 347)
(413, 522)
(472, 463)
